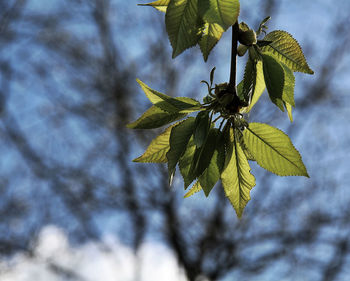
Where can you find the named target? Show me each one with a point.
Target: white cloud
(108, 260)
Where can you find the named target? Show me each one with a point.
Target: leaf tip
(239, 213)
(175, 53)
(131, 125)
(140, 82)
(205, 55)
(187, 195)
(137, 160)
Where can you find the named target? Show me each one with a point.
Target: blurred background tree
(67, 89)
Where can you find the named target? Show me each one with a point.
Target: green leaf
(288, 87)
(185, 163)
(187, 105)
(274, 79)
(158, 148)
(263, 43)
(287, 50)
(179, 138)
(154, 117)
(222, 12)
(273, 150)
(153, 96)
(211, 35)
(236, 178)
(203, 154)
(160, 5)
(274, 72)
(248, 154)
(280, 81)
(169, 104)
(218, 16)
(183, 24)
(259, 85)
(211, 174)
(289, 111)
(194, 189)
(195, 160)
(248, 81)
(202, 126)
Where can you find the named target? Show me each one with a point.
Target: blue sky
(310, 22)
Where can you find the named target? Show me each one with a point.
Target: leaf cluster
(216, 143)
(270, 64)
(207, 151)
(196, 22)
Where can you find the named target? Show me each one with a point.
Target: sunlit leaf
(288, 86)
(194, 189)
(248, 81)
(179, 138)
(289, 111)
(183, 24)
(211, 35)
(218, 16)
(222, 12)
(287, 50)
(248, 154)
(257, 88)
(154, 117)
(273, 150)
(160, 5)
(259, 85)
(169, 104)
(158, 148)
(236, 178)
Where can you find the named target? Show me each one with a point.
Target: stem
(232, 84)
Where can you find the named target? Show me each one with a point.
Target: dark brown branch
(232, 84)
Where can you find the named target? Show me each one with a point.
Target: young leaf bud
(226, 99)
(247, 38)
(220, 89)
(241, 50)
